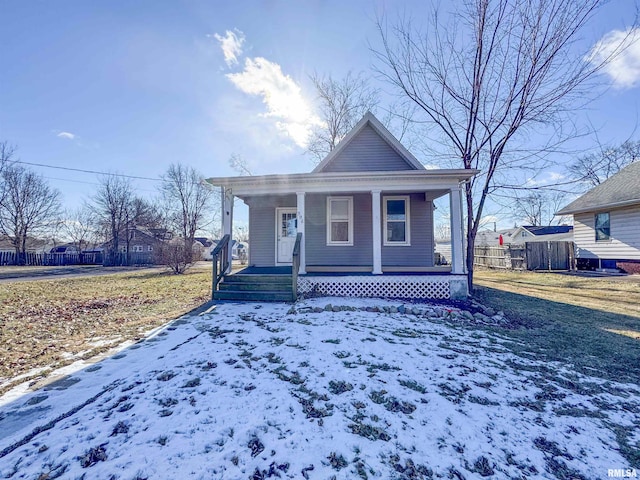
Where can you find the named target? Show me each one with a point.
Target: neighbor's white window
(396, 221)
(137, 248)
(340, 221)
(149, 248)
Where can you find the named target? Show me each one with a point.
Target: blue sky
(135, 86)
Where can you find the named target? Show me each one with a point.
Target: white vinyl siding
(340, 221)
(396, 221)
(624, 239)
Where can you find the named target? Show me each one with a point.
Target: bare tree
(79, 226)
(486, 77)
(28, 205)
(112, 203)
(6, 154)
(240, 165)
(188, 201)
(342, 103)
(595, 168)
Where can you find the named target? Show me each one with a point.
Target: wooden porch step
(254, 295)
(265, 279)
(257, 286)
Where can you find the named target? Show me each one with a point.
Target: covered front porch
(279, 283)
(364, 235)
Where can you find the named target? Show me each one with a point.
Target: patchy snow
(255, 391)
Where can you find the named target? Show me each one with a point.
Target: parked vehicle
(65, 250)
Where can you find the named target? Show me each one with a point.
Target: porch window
(340, 221)
(603, 227)
(396, 221)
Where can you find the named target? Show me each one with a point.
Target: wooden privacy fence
(50, 259)
(61, 259)
(530, 256)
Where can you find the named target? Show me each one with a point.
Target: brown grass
(593, 323)
(50, 323)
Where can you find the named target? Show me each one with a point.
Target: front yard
(592, 323)
(261, 391)
(50, 323)
(265, 391)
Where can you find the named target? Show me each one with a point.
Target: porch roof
(387, 181)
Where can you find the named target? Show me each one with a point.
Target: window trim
(407, 221)
(349, 242)
(595, 227)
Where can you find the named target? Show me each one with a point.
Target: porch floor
(286, 270)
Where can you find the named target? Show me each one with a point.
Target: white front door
(287, 228)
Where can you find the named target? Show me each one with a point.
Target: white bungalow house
(606, 222)
(363, 220)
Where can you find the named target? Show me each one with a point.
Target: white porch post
(300, 229)
(457, 241)
(376, 232)
(227, 220)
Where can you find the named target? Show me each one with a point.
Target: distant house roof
(205, 242)
(548, 230)
(620, 190)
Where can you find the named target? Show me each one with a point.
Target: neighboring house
(141, 240)
(205, 245)
(34, 245)
(524, 234)
(491, 238)
(606, 222)
(365, 219)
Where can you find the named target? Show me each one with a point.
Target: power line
(88, 171)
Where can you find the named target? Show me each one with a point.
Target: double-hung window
(340, 221)
(396, 221)
(603, 227)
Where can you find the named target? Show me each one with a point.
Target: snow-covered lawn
(257, 391)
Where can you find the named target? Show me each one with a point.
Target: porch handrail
(220, 261)
(295, 266)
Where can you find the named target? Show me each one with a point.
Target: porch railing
(220, 260)
(295, 266)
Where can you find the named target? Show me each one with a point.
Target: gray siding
(625, 235)
(319, 253)
(262, 228)
(367, 152)
(420, 252)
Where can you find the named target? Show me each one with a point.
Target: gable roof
(369, 121)
(620, 190)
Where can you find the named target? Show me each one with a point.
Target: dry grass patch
(593, 323)
(50, 323)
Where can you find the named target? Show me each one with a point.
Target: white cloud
(231, 45)
(624, 69)
(66, 135)
(281, 95)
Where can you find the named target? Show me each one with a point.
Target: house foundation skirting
(386, 286)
